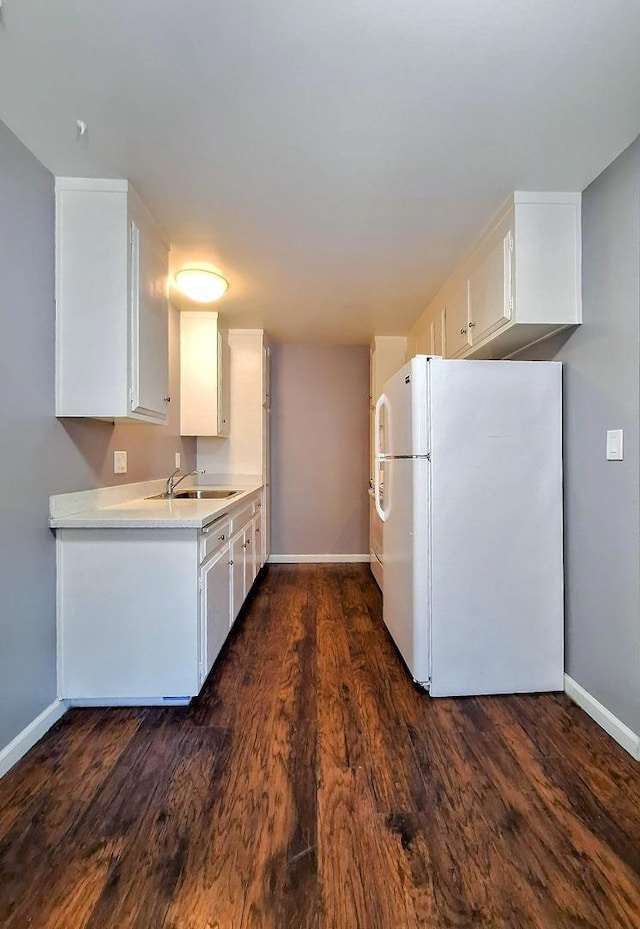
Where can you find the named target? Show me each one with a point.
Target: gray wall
(602, 391)
(40, 454)
(319, 449)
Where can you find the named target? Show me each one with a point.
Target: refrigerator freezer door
(496, 511)
(407, 561)
(404, 409)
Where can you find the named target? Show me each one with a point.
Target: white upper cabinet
(112, 334)
(490, 292)
(520, 283)
(204, 375)
(457, 321)
(387, 354)
(437, 334)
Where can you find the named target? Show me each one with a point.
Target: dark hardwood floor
(311, 785)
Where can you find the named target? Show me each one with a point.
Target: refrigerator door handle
(377, 457)
(376, 493)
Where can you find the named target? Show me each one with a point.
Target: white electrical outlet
(119, 462)
(178, 460)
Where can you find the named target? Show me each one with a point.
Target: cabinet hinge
(428, 456)
(200, 584)
(131, 397)
(201, 670)
(511, 304)
(510, 242)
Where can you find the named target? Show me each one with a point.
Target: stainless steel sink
(206, 494)
(196, 494)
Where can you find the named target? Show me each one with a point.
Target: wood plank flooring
(311, 786)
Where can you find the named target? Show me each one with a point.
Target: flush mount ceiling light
(201, 285)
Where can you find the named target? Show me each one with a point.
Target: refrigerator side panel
(497, 572)
(406, 562)
(404, 411)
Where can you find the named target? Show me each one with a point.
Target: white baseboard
(126, 701)
(318, 559)
(610, 723)
(31, 734)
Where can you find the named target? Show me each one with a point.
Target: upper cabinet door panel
(204, 375)
(490, 296)
(149, 323)
(224, 399)
(457, 322)
(112, 335)
(436, 334)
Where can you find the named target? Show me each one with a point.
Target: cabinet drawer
(214, 536)
(242, 516)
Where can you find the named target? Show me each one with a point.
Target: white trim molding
(31, 734)
(604, 717)
(318, 559)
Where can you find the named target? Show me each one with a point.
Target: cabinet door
(237, 573)
(258, 546)
(149, 322)
(436, 335)
(249, 558)
(204, 375)
(490, 300)
(216, 603)
(199, 381)
(457, 322)
(223, 384)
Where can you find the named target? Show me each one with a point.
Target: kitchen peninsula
(148, 589)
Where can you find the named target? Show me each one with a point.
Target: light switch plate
(614, 445)
(119, 462)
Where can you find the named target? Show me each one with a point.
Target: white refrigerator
(470, 453)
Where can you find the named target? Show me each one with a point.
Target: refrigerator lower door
(407, 562)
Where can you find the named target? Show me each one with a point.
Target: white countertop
(141, 513)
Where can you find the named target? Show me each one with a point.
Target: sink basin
(205, 494)
(196, 494)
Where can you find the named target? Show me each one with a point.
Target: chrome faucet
(172, 483)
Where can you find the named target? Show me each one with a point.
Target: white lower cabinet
(144, 613)
(246, 555)
(128, 615)
(216, 608)
(249, 560)
(237, 562)
(258, 543)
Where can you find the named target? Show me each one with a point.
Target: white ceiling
(332, 157)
